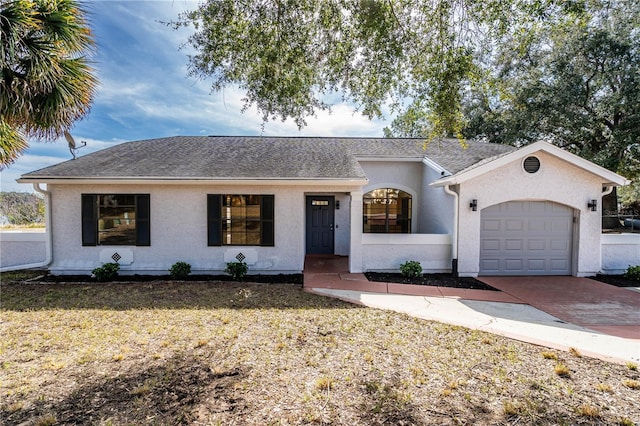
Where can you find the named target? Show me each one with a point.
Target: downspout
(454, 236)
(607, 190)
(49, 236)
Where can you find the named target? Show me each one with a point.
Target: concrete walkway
(500, 312)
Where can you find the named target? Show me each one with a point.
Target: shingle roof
(247, 157)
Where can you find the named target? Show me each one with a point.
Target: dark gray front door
(320, 220)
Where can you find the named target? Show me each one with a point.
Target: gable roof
(488, 164)
(242, 158)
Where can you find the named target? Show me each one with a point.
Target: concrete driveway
(580, 301)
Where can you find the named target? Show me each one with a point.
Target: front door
(320, 221)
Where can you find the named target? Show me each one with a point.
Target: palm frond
(46, 80)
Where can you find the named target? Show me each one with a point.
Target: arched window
(386, 211)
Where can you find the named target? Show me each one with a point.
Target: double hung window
(240, 220)
(115, 219)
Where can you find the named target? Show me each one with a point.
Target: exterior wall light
(473, 205)
(592, 205)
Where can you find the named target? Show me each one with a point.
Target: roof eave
(609, 178)
(83, 180)
(435, 166)
(395, 159)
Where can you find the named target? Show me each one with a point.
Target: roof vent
(531, 164)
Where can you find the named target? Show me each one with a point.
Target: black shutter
(143, 220)
(89, 220)
(405, 224)
(266, 218)
(214, 231)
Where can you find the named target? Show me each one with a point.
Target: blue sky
(145, 92)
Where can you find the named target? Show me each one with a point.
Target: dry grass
(562, 370)
(27, 227)
(575, 352)
(632, 384)
(212, 353)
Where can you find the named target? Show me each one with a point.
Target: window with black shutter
(240, 220)
(116, 219)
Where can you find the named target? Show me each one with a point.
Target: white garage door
(526, 238)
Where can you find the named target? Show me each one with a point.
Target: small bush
(633, 273)
(237, 270)
(180, 270)
(411, 269)
(106, 272)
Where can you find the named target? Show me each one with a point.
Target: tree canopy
(46, 81)
(495, 68)
(21, 208)
(289, 55)
(578, 86)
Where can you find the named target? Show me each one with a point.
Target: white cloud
(145, 92)
(45, 154)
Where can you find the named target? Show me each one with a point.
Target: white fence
(22, 248)
(619, 251)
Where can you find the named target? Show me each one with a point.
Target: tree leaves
(46, 81)
(289, 55)
(578, 87)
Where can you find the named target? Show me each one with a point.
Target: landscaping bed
(436, 280)
(616, 280)
(264, 279)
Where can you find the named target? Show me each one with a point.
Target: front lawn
(254, 354)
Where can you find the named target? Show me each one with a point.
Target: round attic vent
(531, 164)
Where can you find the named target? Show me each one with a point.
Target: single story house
(483, 209)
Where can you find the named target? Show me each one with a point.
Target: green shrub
(633, 273)
(411, 269)
(237, 270)
(106, 272)
(180, 270)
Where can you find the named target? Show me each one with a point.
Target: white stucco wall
(179, 229)
(436, 206)
(22, 247)
(403, 175)
(619, 251)
(432, 212)
(556, 181)
(342, 231)
(386, 252)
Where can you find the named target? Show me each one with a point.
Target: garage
(526, 238)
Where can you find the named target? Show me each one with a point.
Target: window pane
(386, 210)
(116, 219)
(253, 212)
(243, 219)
